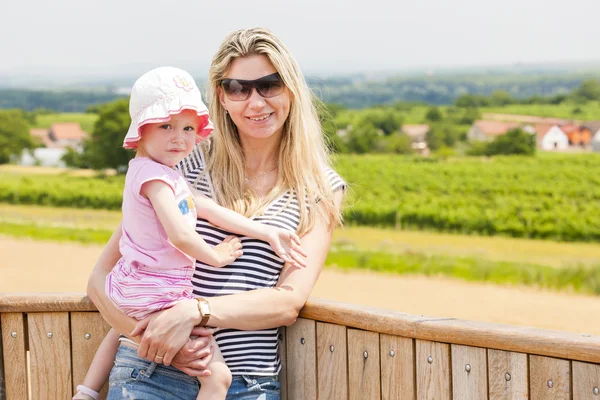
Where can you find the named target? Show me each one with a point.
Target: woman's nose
(256, 100)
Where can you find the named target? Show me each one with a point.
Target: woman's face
(256, 117)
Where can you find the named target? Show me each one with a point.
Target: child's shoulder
(147, 165)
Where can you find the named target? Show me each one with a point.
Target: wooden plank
(302, 360)
(469, 372)
(50, 355)
(433, 370)
(559, 344)
(508, 375)
(549, 378)
(2, 381)
(45, 302)
(283, 358)
(332, 371)
(586, 381)
(397, 368)
(363, 365)
(15, 356)
(87, 331)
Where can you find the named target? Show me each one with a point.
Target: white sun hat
(160, 93)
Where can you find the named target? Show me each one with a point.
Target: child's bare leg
(215, 386)
(100, 367)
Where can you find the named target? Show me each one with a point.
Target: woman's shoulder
(336, 182)
(194, 164)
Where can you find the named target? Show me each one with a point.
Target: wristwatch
(204, 308)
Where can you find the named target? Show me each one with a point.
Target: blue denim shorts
(135, 378)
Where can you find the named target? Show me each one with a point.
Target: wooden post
(302, 360)
(2, 381)
(397, 368)
(50, 355)
(508, 375)
(550, 378)
(284, 362)
(469, 372)
(332, 370)
(364, 376)
(15, 356)
(433, 370)
(87, 331)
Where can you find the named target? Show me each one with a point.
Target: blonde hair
(303, 155)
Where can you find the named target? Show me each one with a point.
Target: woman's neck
(260, 154)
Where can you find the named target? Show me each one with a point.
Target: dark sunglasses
(240, 90)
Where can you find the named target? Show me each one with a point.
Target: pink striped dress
(152, 273)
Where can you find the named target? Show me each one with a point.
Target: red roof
(495, 128)
(67, 131)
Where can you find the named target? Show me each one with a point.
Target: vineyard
(549, 196)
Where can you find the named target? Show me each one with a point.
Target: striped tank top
(245, 352)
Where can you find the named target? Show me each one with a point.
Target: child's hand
(227, 251)
(287, 245)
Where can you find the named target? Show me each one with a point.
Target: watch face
(204, 308)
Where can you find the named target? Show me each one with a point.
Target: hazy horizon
(96, 39)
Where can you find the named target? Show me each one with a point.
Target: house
(551, 137)
(593, 127)
(417, 134)
(577, 134)
(67, 134)
(486, 131)
(54, 142)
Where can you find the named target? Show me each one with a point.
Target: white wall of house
(555, 139)
(596, 142)
(46, 157)
(476, 134)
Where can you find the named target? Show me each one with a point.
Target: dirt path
(30, 266)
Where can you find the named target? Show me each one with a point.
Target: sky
(128, 37)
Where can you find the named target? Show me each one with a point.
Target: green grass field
(85, 120)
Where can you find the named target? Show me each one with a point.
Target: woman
(267, 160)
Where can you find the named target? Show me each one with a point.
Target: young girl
(159, 244)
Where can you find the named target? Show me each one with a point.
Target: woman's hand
(287, 245)
(194, 356)
(166, 332)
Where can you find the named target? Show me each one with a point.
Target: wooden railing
(334, 351)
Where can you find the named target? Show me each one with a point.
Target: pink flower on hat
(183, 83)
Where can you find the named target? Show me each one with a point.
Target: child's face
(169, 142)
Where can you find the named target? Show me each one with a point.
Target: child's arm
(285, 243)
(181, 234)
(101, 365)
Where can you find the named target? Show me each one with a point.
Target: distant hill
(353, 91)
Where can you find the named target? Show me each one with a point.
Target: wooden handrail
(543, 342)
(573, 346)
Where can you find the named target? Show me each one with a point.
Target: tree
(433, 114)
(104, 149)
(385, 119)
(398, 143)
(362, 138)
(501, 98)
(515, 141)
(589, 90)
(469, 116)
(14, 134)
